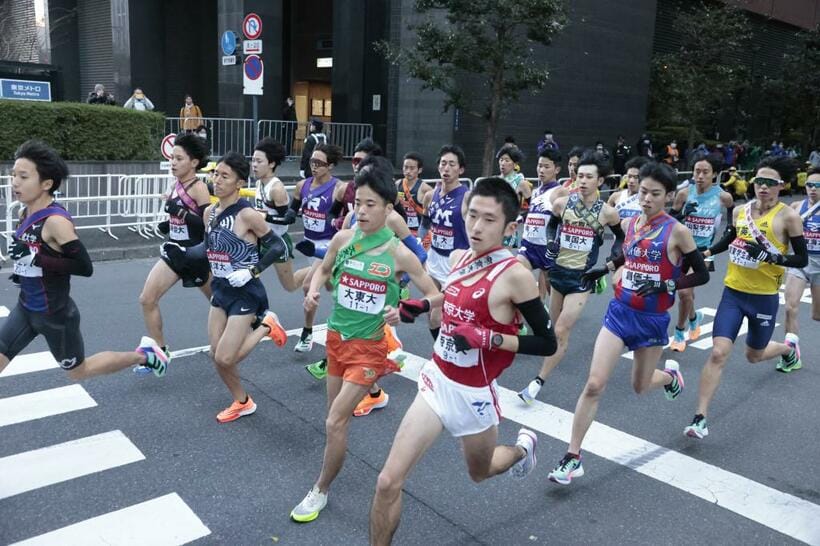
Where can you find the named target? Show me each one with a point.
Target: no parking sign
(253, 75)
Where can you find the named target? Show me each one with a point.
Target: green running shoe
(318, 369)
(791, 362)
(404, 293)
(600, 285)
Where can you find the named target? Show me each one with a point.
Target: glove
(174, 209)
(593, 274)
(410, 309)
(164, 227)
(468, 337)
(240, 278)
(552, 250)
(173, 253)
(689, 208)
(759, 253)
(649, 288)
(306, 247)
(18, 249)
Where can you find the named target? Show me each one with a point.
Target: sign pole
(255, 118)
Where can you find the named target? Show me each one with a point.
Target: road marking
(165, 520)
(36, 405)
(318, 333)
(4, 311)
(62, 462)
(805, 298)
(34, 362)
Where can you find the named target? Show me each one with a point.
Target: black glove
(164, 227)
(410, 309)
(649, 288)
(306, 247)
(173, 253)
(689, 208)
(174, 209)
(18, 249)
(593, 274)
(759, 253)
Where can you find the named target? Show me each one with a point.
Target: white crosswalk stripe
(40, 404)
(33, 362)
(4, 311)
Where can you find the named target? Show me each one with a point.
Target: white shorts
(438, 266)
(463, 410)
(321, 243)
(810, 273)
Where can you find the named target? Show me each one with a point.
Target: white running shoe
(305, 344)
(530, 392)
(527, 440)
(308, 510)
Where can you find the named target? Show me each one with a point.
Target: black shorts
(250, 299)
(568, 281)
(61, 330)
(194, 273)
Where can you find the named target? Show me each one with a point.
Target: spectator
(736, 185)
(203, 133)
(672, 154)
(289, 115)
(621, 154)
(814, 158)
(99, 96)
(139, 101)
(644, 146)
(599, 147)
(548, 142)
(315, 136)
(190, 115)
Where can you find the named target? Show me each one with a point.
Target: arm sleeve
(723, 244)
(552, 227)
(411, 243)
(425, 224)
(542, 342)
(284, 216)
(699, 274)
(197, 252)
(800, 258)
(276, 249)
(617, 245)
(74, 261)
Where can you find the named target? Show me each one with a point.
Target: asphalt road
(754, 480)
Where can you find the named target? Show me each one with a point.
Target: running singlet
(704, 221)
(316, 204)
(261, 203)
(228, 252)
(41, 291)
(579, 240)
(469, 304)
(811, 228)
(746, 274)
(535, 225)
(448, 228)
(628, 206)
(647, 259)
(178, 230)
(363, 284)
(409, 198)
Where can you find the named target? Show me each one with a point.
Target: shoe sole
(304, 519)
(314, 376)
(678, 348)
(575, 474)
(526, 399)
(277, 334)
(694, 434)
(789, 369)
(298, 349)
(242, 413)
(380, 405)
(694, 334)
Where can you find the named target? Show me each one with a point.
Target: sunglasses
(318, 163)
(815, 185)
(768, 182)
(355, 161)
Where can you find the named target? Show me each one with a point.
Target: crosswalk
(172, 520)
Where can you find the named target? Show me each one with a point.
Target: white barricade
(224, 134)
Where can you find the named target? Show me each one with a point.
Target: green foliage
(81, 132)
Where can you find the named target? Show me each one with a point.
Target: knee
(561, 333)
(640, 386)
(686, 297)
(78, 373)
(148, 299)
(387, 484)
(223, 360)
(478, 475)
(720, 355)
(335, 425)
(594, 387)
(815, 313)
(792, 307)
(753, 356)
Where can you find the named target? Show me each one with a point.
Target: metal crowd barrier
(224, 134)
(292, 134)
(436, 181)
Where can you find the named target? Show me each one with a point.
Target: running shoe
(275, 330)
(308, 510)
(155, 358)
(673, 389)
(527, 440)
(698, 428)
(569, 467)
(694, 326)
(236, 410)
(305, 343)
(145, 370)
(522, 330)
(318, 369)
(600, 285)
(530, 392)
(369, 403)
(791, 362)
(404, 292)
(678, 343)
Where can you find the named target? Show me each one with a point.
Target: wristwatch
(496, 341)
(255, 271)
(671, 286)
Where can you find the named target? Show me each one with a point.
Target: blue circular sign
(228, 42)
(253, 67)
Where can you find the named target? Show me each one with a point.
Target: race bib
(24, 268)
(314, 221)
(739, 256)
(443, 238)
(178, 230)
(220, 263)
(362, 295)
(632, 279)
(412, 219)
(535, 228)
(812, 235)
(700, 227)
(577, 238)
(445, 348)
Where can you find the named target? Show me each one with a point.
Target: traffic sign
(167, 146)
(253, 75)
(252, 47)
(228, 42)
(252, 26)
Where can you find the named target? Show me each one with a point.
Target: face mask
(203, 136)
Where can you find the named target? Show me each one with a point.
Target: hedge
(81, 132)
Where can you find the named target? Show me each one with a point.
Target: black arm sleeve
(676, 214)
(284, 216)
(74, 261)
(699, 274)
(276, 249)
(197, 252)
(723, 244)
(617, 245)
(195, 221)
(542, 342)
(552, 227)
(337, 208)
(296, 204)
(800, 258)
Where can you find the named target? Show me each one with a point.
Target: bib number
(739, 256)
(24, 267)
(362, 295)
(700, 227)
(178, 231)
(314, 221)
(813, 239)
(412, 219)
(535, 229)
(632, 280)
(445, 348)
(220, 264)
(578, 238)
(443, 238)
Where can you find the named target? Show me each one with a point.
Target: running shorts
(250, 299)
(359, 361)
(194, 273)
(810, 273)
(760, 310)
(462, 409)
(536, 255)
(567, 281)
(288, 243)
(438, 267)
(637, 329)
(61, 330)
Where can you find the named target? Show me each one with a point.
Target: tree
(801, 81)
(692, 84)
(482, 59)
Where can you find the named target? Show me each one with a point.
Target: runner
(184, 206)
(573, 158)
(698, 206)
(757, 239)
(509, 158)
(273, 201)
(655, 255)
(445, 206)
(314, 198)
(797, 279)
(627, 201)
(234, 233)
(412, 191)
(363, 266)
(533, 251)
(46, 252)
(488, 291)
(581, 217)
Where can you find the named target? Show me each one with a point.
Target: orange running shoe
(678, 343)
(393, 341)
(694, 326)
(276, 332)
(236, 410)
(369, 403)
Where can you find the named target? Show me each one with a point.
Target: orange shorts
(360, 361)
